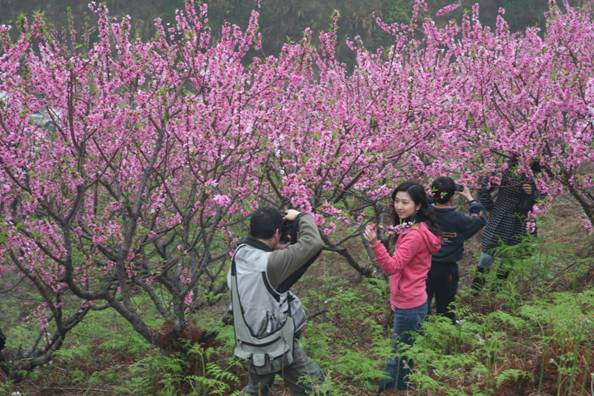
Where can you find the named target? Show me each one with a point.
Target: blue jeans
(406, 323)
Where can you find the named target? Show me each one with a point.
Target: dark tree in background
(283, 19)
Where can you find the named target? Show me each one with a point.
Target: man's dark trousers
(442, 283)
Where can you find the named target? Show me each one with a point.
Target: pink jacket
(409, 266)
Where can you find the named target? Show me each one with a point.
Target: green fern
(510, 374)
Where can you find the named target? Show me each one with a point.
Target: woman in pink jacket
(408, 267)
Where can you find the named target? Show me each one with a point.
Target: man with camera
(455, 228)
(266, 315)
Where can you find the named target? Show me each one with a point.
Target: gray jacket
(264, 277)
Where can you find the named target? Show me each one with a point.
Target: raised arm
(403, 254)
(286, 266)
(470, 224)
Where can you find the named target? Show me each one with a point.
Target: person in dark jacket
(508, 203)
(456, 227)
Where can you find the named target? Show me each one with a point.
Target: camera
(458, 187)
(289, 231)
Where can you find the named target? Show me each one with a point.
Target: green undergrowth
(545, 344)
(528, 334)
(349, 338)
(105, 355)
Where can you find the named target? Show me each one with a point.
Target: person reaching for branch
(407, 268)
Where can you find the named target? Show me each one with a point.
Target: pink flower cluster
(155, 151)
(401, 228)
(447, 9)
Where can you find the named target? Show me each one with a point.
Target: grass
(529, 335)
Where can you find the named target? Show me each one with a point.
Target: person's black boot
(386, 384)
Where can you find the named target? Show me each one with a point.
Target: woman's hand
(370, 234)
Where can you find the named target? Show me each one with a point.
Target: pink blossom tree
(342, 138)
(156, 151)
(129, 198)
(526, 96)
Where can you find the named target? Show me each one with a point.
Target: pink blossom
(401, 228)
(159, 136)
(531, 226)
(189, 298)
(447, 9)
(221, 200)
(587, 224)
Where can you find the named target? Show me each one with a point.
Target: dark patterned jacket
(2, 340)
(508, 205)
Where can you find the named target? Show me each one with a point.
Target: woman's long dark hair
(419, 197)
